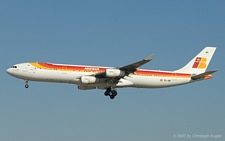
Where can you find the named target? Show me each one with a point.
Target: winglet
(133, 67)
(149, 58)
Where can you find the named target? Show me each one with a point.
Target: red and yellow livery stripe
(50, 66)
(60, 67)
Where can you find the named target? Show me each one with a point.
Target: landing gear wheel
(114, 93)
(112, 96)
(26, 86)
(107, 93)
(110, 92)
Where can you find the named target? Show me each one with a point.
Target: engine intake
(114, 73)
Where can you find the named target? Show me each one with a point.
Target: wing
(131, 68)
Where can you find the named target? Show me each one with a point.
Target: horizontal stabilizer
(202, 75)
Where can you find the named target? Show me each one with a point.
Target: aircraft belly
(156, 82)
(124, 83)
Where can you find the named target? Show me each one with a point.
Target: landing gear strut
(26, 85)
(111, 93)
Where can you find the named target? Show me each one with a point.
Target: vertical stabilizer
(200, 62)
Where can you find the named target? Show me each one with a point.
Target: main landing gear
(26, 85)
(111, 93)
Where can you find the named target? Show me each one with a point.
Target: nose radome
(8, 71)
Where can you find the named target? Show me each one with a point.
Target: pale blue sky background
(110, 33)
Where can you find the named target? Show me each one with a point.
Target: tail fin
(200, 62)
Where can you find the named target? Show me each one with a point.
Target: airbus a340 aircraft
(110, 78)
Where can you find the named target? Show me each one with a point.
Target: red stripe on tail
(196, 63)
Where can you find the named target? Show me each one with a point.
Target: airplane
(110, 78)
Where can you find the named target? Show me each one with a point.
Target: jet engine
(114, 73)
(89, 79)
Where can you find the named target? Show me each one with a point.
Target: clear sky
(111, 33)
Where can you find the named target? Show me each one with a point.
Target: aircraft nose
(8, 71)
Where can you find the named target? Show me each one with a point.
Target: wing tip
(150, 57)
(212, 71)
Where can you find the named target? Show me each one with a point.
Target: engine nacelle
(89, 79)
(114, 73)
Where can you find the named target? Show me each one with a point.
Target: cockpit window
(14, 66)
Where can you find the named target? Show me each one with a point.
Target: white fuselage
(140, 79)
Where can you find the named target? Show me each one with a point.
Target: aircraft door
(64, 70)
(32, 69)
(174, 77)
(25, 67)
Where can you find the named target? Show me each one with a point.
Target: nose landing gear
(26, 85)
(111, 93)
